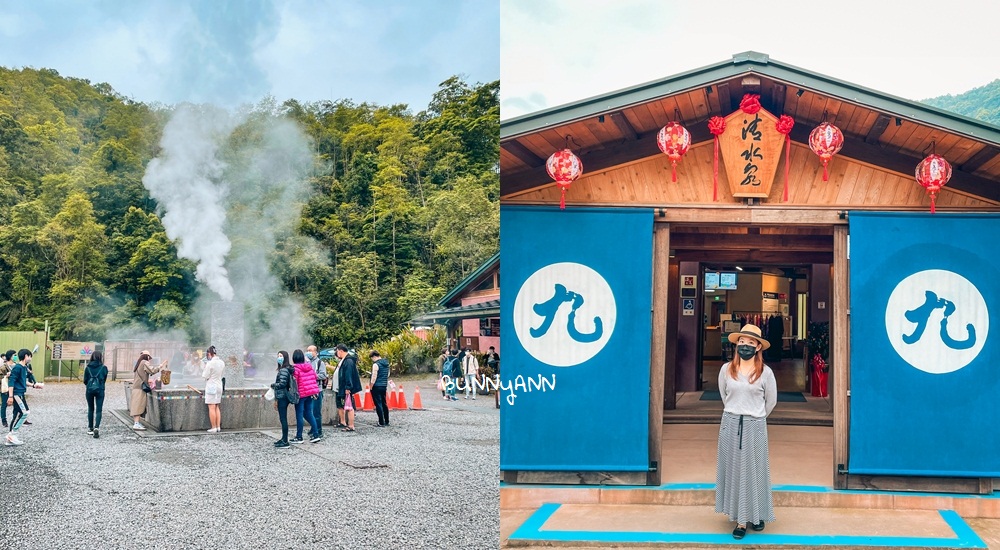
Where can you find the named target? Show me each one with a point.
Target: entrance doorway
(767, 276)
(734, 295)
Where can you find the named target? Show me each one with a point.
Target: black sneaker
(90, 431)
(296, 440)
(739, 532)
(281, 445)
(316, 439)
(5, 423)
(97, 433)
(759, 526)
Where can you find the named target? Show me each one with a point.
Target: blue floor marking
(531, 529)
(782, 488)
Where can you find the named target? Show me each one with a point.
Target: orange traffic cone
(369, 402)
(361, 400)
(402, 398)
(391, 402)
(417, 405)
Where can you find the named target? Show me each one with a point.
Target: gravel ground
(439, 487)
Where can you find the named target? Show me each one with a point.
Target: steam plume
(185, 181)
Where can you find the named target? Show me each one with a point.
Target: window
(489, 327)
(485, 285)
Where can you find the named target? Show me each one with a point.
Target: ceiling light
(738, 268)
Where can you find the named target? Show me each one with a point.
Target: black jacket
(98, 373)
(281, 382)
(349, 378)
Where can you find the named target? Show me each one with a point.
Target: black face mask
(746, 351)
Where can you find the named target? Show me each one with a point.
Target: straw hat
(750, 331)
(145, 352)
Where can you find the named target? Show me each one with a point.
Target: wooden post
(840, 349)
(689, 334)
(670, 368)
(658, 353)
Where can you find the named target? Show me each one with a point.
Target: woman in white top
(743, 473)
(212, 374)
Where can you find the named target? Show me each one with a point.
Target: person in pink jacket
(305, 377)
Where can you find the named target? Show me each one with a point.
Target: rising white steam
(186, 182)
(230, 190)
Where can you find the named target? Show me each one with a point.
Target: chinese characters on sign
(922, 314)
(548, 309)
(752, 152)
(751, 149)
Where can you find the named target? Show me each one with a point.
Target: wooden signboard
(750, 148)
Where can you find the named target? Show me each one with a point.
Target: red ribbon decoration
(750, 104)
(716, 125)
(784, 126)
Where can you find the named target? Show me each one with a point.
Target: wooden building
(804, 240)
(470, 312)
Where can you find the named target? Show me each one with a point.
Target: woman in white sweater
(743, 473)
(212, 374)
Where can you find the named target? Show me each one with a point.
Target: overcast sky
(234, 51)
(559, 51)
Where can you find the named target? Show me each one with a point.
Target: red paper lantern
(564, 167)
(826, 140)
(674, 140)
(933, 173)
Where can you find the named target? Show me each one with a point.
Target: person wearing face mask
(281, 402)
(743, 473)
(16, 386)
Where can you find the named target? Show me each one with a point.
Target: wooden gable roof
(885, 136)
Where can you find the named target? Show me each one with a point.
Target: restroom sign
(687, 305)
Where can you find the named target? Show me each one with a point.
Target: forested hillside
(399, 205)
(981, 103)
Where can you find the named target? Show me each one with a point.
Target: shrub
(406, 352)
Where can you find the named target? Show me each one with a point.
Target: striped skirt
(743, 472)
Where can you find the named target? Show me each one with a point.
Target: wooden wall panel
(852, 184)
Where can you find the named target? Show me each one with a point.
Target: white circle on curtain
(564, 314)
(937, 321)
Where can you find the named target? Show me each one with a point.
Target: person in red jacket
(305, 377)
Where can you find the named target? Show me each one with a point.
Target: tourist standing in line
(319, 366)
(471, 367)
(493, 362)
(280, 386)
(95, 375)
(380, 383)
(743, 473)
(337, 399)
(214, 386)
(6, 363)
(305, 376)
(16, 387)
(442, 361)
(349, 381)
(142, 371)
(452, 372)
